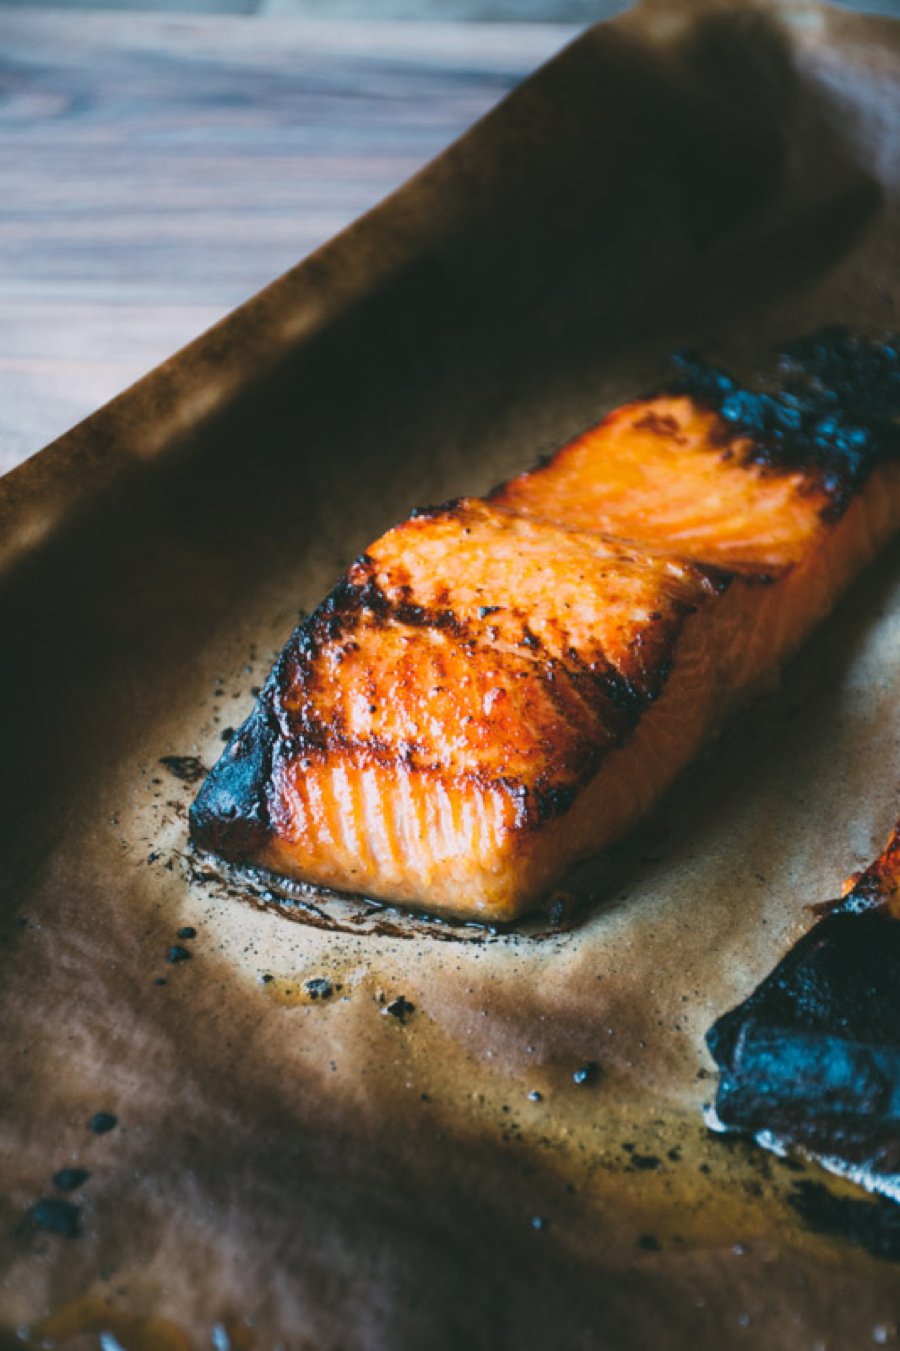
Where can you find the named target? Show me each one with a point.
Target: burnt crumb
(177, 954)
(153, 857)
(674, 1153)
(425, 1097)
(67, 1179)
(188, 768)
(203, 875)
(586, 1073)
(833, 410)
(226, 733)
(646, 1162)
(266, 978)
(485, 610)
(399, 1008)
(56, 1216)
(102, 1122)
(873, 1225)
(560, 908)
(256, 691)
(187, 931)
(649, 1242)
(319, 988)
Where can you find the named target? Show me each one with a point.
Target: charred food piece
(500, 688)
(811, 1060)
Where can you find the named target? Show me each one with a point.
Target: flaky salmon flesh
(499, 688)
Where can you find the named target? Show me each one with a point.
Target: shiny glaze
(499, 688)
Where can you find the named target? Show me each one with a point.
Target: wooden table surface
(159, 169)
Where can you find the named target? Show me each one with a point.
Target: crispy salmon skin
(499, 687)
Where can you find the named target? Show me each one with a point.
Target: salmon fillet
(500, 687)
(811, 1060)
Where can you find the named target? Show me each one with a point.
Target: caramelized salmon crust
(499, 688)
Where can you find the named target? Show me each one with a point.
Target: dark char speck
(67, 1179)
(399, 1008)
(56, 1216)
(101, 1122)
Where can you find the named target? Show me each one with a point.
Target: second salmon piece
(499, 688)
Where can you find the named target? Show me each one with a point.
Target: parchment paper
(318, 1173)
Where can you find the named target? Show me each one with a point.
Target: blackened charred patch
(372, 598)
(230, 815)
(552, 801)
(623, 694)
(813, 1055)
(185, 767)
(661, 425)
(831, 409)
(422, 617)
(873, 1225)
(361, 592)
(440, 509)
(334, 621)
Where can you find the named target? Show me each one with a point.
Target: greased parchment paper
(318, 1172)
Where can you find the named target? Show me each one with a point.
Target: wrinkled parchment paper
(317, 1173)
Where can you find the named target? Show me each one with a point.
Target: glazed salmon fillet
(499, 688)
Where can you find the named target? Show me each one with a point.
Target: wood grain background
(158, 169)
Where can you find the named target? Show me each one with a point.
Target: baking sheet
(317, 1173)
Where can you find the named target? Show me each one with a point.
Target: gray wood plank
(515, 11)
(171, 6)
(158, 169)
